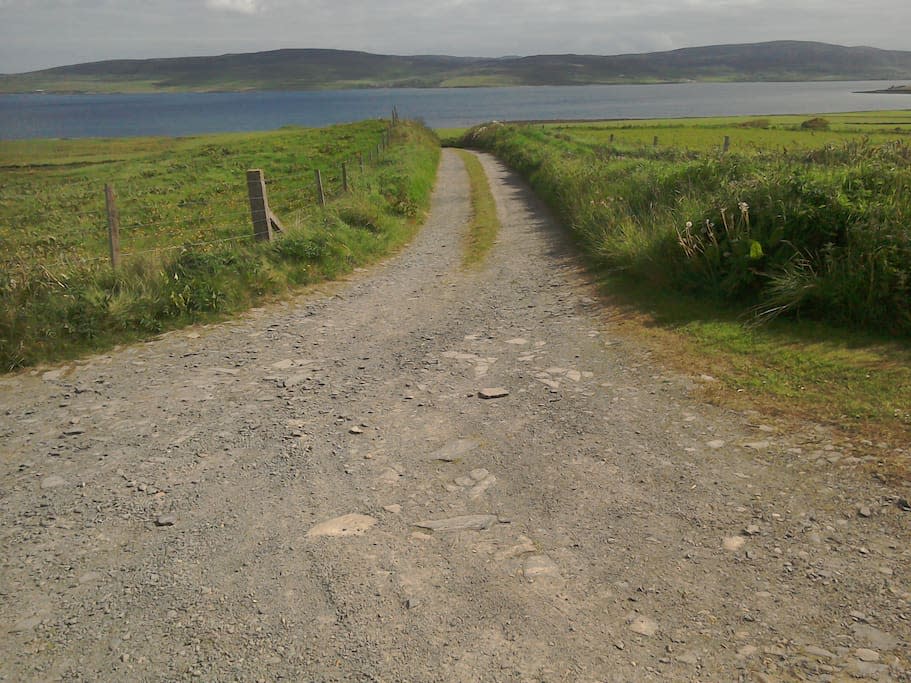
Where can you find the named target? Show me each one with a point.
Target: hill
(309, 69)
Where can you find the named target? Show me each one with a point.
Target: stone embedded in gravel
(89, 577)
(518, 341)
(478, 474)
(864, 511)
(715, 444)
(733, 543)
(52, 482)
(861, 669)
(454, 450)
(866, 655)
(819, 652)
(463, 523)
(346, 525)
(25, 625)
(752, 530)
(165, 520)
(690, 658)
(757, 445)
(874, 638)
(355, 430)
(643, 626)
(393, 509)
(573, 375)
(539, 565)
(494, 392)
(464, 481)
(747, 651)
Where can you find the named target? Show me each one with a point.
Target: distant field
(747, 134)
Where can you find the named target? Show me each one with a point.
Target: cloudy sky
(36, 34)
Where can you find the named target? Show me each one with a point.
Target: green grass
(484, 226)
(170, 191)
(796, 293)
(187, 236)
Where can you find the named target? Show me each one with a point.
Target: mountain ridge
(317, 68)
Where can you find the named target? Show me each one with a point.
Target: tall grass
(50, 314)
(822, 233)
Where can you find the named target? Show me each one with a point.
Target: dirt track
(159, 505)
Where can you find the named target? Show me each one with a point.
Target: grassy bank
(186, 236)
(802, 227)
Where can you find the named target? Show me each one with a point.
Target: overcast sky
(36, 34)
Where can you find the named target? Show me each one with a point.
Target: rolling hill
(310, 69)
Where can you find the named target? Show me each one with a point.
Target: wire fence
(128, 225)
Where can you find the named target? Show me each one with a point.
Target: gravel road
(316, 491)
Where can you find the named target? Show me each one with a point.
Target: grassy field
(186, 234)
(782, 268)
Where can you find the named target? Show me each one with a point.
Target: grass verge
(55, 313)
(485, 224)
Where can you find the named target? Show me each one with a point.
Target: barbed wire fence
(239, 219)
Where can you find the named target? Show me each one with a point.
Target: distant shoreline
(894, 90)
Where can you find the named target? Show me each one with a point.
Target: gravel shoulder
(316, 491)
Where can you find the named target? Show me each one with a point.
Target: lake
(75, 116)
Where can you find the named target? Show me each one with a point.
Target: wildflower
(744, 207)
(689, 224)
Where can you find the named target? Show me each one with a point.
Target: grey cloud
(42, 33)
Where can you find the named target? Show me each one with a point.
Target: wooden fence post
(345, 176)
(264, 221)
(110, 200)
(320, 195)
(655, 141)
(727, 143)
(611, 138)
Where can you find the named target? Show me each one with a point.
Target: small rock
(52, 482)
(165, 520)
(874, 638)
(747, 651)
(478, 474)
(861, 669)
(355, 430)
(643, 626)
(495, 392)
(715, 444)
(864, 511)
(346, 525)
(412, 603)
(394, 509)
(866, 655)
(757, 445)
(752, 530)
(733, 543)
(463, 523)
(539, 565)
(819, 652)
(690, 658)
(454, 451)
(25, 625)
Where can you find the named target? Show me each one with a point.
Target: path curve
(316, 492)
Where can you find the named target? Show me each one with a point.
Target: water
(76, 116)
